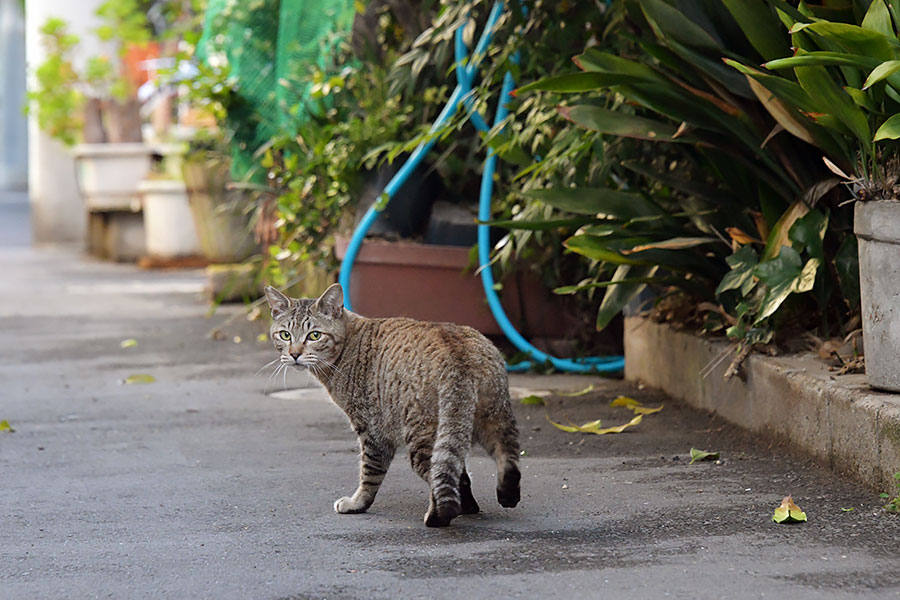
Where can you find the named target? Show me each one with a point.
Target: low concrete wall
(839, 420)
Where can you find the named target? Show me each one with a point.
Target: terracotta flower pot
(432, 283)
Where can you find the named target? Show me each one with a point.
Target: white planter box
(877, 228)
(109, 174)
(168, 221)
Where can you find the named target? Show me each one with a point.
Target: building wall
(13, 129)
(57, 214)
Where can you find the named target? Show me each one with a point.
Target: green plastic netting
(271, 47)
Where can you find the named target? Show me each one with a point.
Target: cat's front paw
(346, 506)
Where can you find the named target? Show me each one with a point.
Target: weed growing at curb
(893, 504)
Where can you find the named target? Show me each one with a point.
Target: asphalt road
(201, 485)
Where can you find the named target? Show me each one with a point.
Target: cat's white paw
(347, 505)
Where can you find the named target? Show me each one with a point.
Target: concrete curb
(839, 420)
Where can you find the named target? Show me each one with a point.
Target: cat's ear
(331, 303)
(278, 302)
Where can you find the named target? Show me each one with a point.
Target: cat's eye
(314, 335)
(285, 335)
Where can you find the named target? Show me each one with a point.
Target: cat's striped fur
(434, 388)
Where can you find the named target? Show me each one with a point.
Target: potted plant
(169, 225)
(95, 111)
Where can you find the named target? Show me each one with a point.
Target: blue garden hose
(465, 75)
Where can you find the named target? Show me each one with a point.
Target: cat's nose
(296, 355)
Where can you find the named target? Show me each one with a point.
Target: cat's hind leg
(375, 458)
(456, 409)
(468, 505)
(499, 435)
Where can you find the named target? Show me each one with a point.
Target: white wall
(57, 214)
(13, 132)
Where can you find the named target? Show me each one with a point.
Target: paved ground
(200, 485)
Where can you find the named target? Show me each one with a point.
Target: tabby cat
(433, 387)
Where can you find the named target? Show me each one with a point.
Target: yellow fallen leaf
(788, 512)
(129, 343)
(5, 426)
(620, 428)
(140, 378)
(625, 401)
(633, 405)
(594, 426)
(646, 410)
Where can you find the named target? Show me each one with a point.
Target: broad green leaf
(698, 455)
(584, 81)
(780, 234)
(889, 130)
(853, 38)
(129, 343)
(533, 400)
(882, 71)
(596, 249)
(785, 89)
(788, 512)
(605, 202)
(808, 234)
(619, 124)
(878, 19)
(832, 99)
(618, 296)
(669, 22)
(594, 60)
(140, 378)
(784, 275)
(760, 25)
(823, 58)
(5, 426)
(862, 99)
(742, 264)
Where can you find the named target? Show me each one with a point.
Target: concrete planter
(168, 222)
(431, 282)
(221, 216)
(877, 228)
(109, 174)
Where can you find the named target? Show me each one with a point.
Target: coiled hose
(466, 68)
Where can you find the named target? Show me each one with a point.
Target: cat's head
(306, 331)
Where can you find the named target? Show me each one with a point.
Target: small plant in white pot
(169, 227)
(94, 110)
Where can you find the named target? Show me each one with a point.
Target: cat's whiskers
(266, 365)
(273, 375)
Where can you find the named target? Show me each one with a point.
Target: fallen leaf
(637, 407)
(129, 343)
(847, 509)
(263, 337)
(594, 426)
(698, 455)
(788, 512)
(533, 400)
(5, 426)
(586, 390)
(140, 378)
